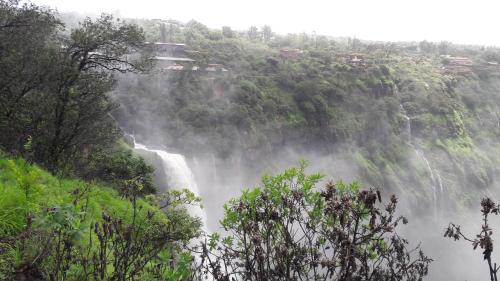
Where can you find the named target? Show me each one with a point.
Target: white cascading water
(421, 154)
(214, 166)
(435, 177)
(408, 123)
(178, 176)
(440, 199)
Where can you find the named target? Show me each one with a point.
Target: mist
(385, 20)
(221, 178)
(425, 136)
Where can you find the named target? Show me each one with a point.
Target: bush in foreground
(290, 230)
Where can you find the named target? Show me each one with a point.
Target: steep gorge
(414, 133)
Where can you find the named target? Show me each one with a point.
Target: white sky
(459, 21)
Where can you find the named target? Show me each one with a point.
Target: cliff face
(405, 121)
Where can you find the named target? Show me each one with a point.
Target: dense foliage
(318, 101)
(53, 104)
(54, 111)
(59, 229)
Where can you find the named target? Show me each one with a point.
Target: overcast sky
(459, 21)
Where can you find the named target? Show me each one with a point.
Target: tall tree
(227, 32)
(253, 33)
(79, 117)
(53, 87)
(267, 33)
(27, 39)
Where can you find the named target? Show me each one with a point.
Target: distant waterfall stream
(178, 176)
(408, 123)
(435, 177)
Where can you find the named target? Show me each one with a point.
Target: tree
(427, 47)
(354, 43)
(484, 238)
(267, 33)
(289, 230)
(26, 34)
(53, 87)
(227, 32)
(253, 33)
(444, 47)
(79, 103)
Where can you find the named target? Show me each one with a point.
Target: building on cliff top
(290, 54)
(351, 58)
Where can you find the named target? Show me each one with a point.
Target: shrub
(290, 230)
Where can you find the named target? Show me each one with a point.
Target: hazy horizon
(467, 22)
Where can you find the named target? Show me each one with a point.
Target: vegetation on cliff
(60, 229)
(308, 93)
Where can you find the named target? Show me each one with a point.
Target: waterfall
(440, 198)
(434, 182)
(214, 166)
(408, 122)
(440, 183)
(435, 177)
(178, 176)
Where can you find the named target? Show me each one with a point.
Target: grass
(27, 191)
(26, 188)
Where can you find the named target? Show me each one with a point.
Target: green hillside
(320, 101)
(37, 207)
